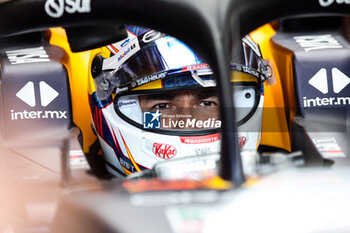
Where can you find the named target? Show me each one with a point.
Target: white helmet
(156, 100)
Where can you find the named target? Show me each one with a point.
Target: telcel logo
(326, 3)
(47, 95)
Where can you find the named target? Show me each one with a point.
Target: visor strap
(203, 83)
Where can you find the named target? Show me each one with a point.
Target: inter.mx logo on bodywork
(320, 81)
(47, 95)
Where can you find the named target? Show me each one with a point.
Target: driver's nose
(185, 103)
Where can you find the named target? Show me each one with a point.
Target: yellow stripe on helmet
(129, 154)
(237, 76)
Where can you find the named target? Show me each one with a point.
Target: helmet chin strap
(203, 83)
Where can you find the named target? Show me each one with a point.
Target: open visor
(247, 58)
(144, 61)
(153, 56)
(186, 110)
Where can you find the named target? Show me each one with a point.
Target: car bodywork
(85, 204)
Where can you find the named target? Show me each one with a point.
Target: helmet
(153, 99)
(249, 71)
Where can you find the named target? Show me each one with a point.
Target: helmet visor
(247, 58)
(146, 61)
(185, 110)
(143, 60)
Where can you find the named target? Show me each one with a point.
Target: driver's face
(195, 104)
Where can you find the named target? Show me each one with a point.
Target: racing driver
(154, 99)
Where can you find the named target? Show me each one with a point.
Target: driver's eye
(161, 106)
(248, 95)
(207, 104)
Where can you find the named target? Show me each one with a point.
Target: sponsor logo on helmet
(126, 52)
(151, 36)
(200, 139)
(245, 69)
(126, 103)
(242, 142)
(127, 164)
(164, 151)
(119, 90)
(56, 8)
(125, 43)
(326, 3)
(150, 78)
(195, 67)
(122, 50)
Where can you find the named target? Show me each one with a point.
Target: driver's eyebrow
(206, 94)
(164, 96)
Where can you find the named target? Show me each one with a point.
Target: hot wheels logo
(164, 151)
